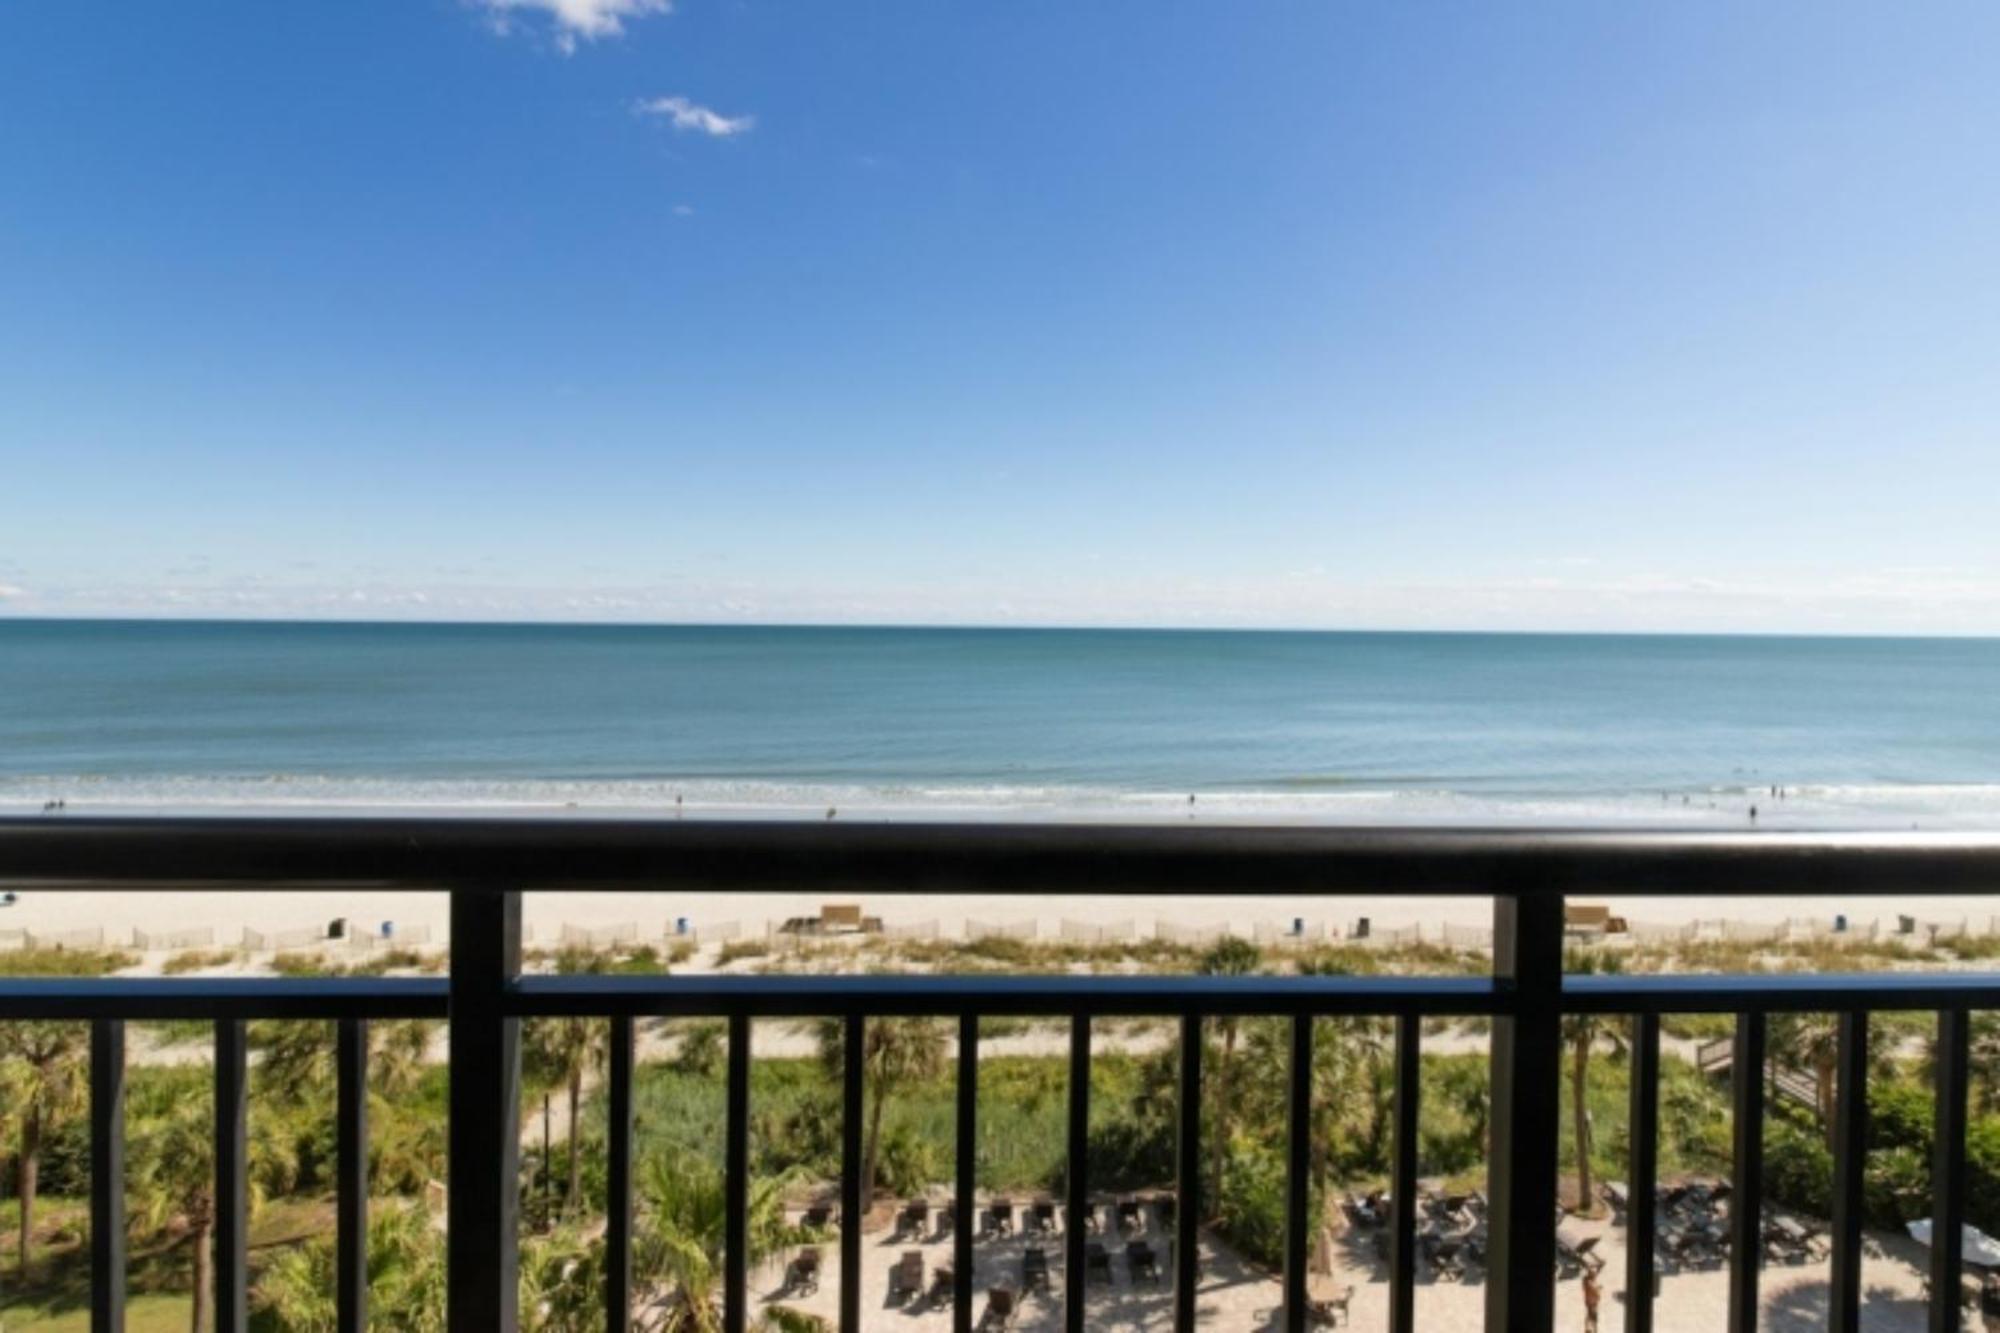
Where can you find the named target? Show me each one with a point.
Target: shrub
(737, 950)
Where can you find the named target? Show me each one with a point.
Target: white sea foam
(1880, 806)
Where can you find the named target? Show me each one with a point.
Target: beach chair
(1166, 1207)
(999, 1312)
(1614, 1198)
(1035, 1269)
(1002, 1211)
(1130, 1218)
(1096, 1261)
(819, 1217)
(906, 1279)
(1142, 1263)
(943, 1286)
(1039, 1219)
(913, 1220)
(1446, 1258)
(1330, 1312)
(947, 1217)
(802, 1274)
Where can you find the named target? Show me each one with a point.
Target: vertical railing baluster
(1642, 1188)
(966, 1177)
(351, 1176)
(1403, 1180)
(736, 1182)
(232, 1176)
(1954, 1041)
(1526, 1059)
(853, 1201)
(618, 1181)
(107, 1176)
(482, 1237)
(1187, 1178)
(1075, 1280)
(1298, 1172)
(1850, 1170)
(1746, 1197)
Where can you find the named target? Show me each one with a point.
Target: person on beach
(1592, 1294)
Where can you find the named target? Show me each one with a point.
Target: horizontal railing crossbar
(1010, 996)
(1790, 992)
(694, 855)
(147, 998)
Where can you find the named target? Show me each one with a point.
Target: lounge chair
(1096, 1260)
(999, 1312)
(802, 1274)
(1141, 1261)
(1035, 1269)
(907, 1278)
(1039, 1219)
(1445, 1258)
(913, 1220)
(1130, 1218)
(1330, 1312)
(943, 1288)
(1002, 1211)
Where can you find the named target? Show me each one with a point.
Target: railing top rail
(833, 856)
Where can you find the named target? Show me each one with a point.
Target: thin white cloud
(683, 210)
(575, 20)
(8, 590)
(687, 116)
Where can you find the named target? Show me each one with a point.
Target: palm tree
(680, 1239)
(1231, 956)
(1583, 1032)
(45, 1080)
(895, 1053)
(563, 1052)
(406, 1285)
(170, 1176)
(562, 1284)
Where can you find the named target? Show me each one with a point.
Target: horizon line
(990, 628)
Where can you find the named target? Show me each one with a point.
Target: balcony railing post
(1403, 1177)
(1298, 1173)
(965, 1174)
(1075, 1276)
(1850, 1170)
(1641, 1209)
(853, 1206)
(1187, 1178)
(1948, 1168)
(107, 1176)
(736, 1182)
(1746, 1196)
(484, 1189)
(618, 1180)
(232, 1176)
(1527, 1049)
(351, 1173)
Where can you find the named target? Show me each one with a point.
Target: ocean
(1353, 728)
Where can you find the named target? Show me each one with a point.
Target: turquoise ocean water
(1352, 728)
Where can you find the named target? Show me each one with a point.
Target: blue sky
(1320, 314)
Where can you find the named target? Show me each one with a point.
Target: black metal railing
(486, 866)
